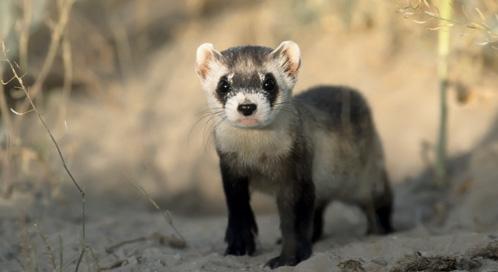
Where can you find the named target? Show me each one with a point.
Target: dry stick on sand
(63, 161)
(27, 261)
(114, 265)
(178, 241)
(162, 239)
(175, 241)
(48, 248)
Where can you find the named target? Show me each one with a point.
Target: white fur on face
(285, 82)
(262, 116)
(209, 70)
(210, 83)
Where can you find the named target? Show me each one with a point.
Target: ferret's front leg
(242, 226)
(295, 201)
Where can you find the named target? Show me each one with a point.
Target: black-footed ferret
(306, 150)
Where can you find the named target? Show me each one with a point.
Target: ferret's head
(249, 85)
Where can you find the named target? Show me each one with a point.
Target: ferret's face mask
(248, 86)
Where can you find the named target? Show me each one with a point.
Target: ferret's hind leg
(318, 221)
(384, 209)
(379, 212)
(372, 222)
(295, 206)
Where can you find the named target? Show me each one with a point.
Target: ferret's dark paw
(281, 261)
(240, 248)
(240, 242)
(277, 262)
(302, 254)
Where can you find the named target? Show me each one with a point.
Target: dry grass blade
(6, 177)
(113, 248)
(27, 9)
(182, 243)
(59, 151)
(483, 43)
(28, 261)
(124, 50)
(67, 60)
(426, 4)
(48, 248)
(20, 113)
(114, 265)
(61, 254)
(419, 22)
(477, 26)
(95, 259)
(481, 15)
(161, 239)
(65, 7)
(8, 81)
(422, 12)
(432, 14)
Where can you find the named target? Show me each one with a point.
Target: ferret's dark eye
(269, 83)
(224, 86)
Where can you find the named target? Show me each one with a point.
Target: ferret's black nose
(246, 109)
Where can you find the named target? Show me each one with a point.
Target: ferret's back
(338, 107)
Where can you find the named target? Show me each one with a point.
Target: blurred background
(115, 82)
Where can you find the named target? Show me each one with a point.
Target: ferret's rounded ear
(289, 56)
(206, 54)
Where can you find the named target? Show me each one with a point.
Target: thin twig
(55, 41)
(113, 248)
(59, 151)
(94, 257)
(123, 49)
(165, 213)
(114, 265)
(7, 123)
(80, 258)
(162, 239)
(61, 254)
(27, 9)
(20, 113)
(50, 251)
(68, 77)
(26, 246)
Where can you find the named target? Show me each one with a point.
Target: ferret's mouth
(248, 122)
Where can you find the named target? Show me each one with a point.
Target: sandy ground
(449, 240)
